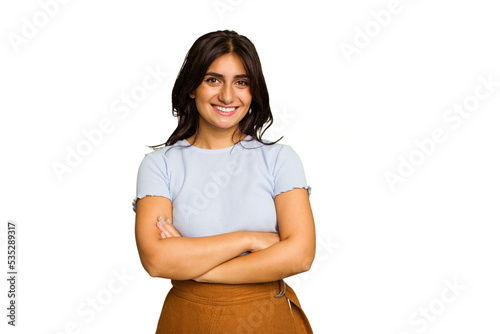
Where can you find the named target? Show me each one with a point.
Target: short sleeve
(152, 177)
(289, 172)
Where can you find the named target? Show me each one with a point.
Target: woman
(211, 202)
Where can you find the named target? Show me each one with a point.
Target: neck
(218, 140)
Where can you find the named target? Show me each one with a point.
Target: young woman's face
(223, 98)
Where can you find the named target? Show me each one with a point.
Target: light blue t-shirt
(223, 190)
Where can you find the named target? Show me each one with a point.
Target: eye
(242, 83)
(212, 80)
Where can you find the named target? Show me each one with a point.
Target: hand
(166, 228)
(262, 240)
(202, 278)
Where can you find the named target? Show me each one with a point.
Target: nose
(226, 95)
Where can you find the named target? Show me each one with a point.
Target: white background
(384, 255)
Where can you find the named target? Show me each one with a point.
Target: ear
(191, 95)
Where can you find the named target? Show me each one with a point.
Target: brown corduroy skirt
(264, 308)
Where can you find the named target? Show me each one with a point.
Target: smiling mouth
(224, 109)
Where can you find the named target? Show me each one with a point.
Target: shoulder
(154, 158)
(159, 160)
(162, 154)
(278, 156)
(280, 152)
(273, 150)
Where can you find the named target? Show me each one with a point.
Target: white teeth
(225, 109)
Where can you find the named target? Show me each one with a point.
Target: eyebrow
(218, 75)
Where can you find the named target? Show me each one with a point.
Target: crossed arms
(215, 259)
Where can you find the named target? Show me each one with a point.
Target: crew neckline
(184, 141)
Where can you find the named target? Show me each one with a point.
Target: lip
(227, 114)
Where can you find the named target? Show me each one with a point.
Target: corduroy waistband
(224, 294)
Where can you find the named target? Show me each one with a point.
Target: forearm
(283, 259)
(186, 258)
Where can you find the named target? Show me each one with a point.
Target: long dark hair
(204, 51)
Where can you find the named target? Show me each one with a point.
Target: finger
(167, 229)
(171, 229)
(161, 229)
